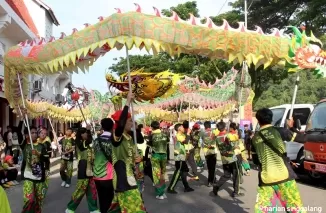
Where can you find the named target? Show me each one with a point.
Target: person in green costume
(34, 173)
(85, 183)
(181, 168)
(127, 198)
(158, 141)
(67, 158)
(4, 203)
(46, 141)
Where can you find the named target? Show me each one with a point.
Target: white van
(280, 114)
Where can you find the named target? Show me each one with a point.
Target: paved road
(200, 201)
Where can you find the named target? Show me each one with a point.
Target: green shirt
(103, 156)
(180, 149)
(209, 141)
(68, 144)
(225, 146)
(273, 168)
(123, 160)
(159, 140)
(35, 165)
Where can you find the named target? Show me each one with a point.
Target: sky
(74, 13)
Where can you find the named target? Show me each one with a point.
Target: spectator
(17, 139)
(10, 169)
(8, 140)
(3, 178)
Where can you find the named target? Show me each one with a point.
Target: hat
(116, 116)
(8, 158)
(196, 126)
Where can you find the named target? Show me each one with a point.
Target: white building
(45, 87)
(13, 29)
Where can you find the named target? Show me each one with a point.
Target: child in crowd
(10, 169)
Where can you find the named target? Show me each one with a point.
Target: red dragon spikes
(74, 31)
(175, 16)
(62, 35)
(192, 20)
(209, 22)
(138, 8)
(157, 12)
(118, 10)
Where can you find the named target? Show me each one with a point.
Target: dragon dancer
(181, 168)
(158, 142)
(225, 143)
(276, 176)
(67, 158)
(85, 183)
(34, 173)
(208, 137)
(46, 141)
(139, 171)
(194, 159)
(127, 197)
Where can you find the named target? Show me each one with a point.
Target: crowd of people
(113, 163)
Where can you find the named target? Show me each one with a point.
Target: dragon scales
(155, 32)
(205, 100)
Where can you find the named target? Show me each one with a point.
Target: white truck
(295, 151)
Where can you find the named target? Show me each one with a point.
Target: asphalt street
(199, 201)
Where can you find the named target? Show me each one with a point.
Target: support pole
(24, 105)
(244, 67)
(21, 114)
(54, 133)
(294, 97)
(131, 105)
(246, 12)
(243, 72)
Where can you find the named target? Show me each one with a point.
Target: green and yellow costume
(158, 142)
(66, 167)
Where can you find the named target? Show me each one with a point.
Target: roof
(21, 10)
(50, 11)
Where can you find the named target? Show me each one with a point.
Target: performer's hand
(88, 127)
(35, 152)
(189, 131)
(24, 111)
(130, 98)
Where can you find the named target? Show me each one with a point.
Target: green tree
(183, 10)
(206, 69)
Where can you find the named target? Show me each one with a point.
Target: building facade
(49, 87)
(14, 28)
(22, 20)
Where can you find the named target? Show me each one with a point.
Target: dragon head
(306, 53)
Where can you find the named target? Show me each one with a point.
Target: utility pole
(244, 65)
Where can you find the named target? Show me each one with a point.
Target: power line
(222, 7)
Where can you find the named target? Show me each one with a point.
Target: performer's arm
(291, 135)
(254, 155)
(139, 136)
(117, 135)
